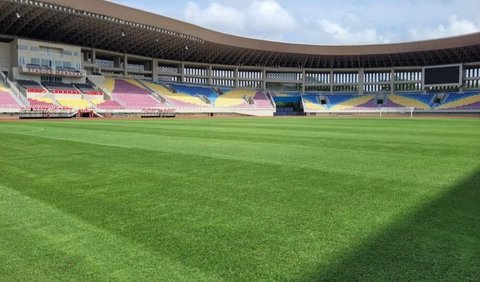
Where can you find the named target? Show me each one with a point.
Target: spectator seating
(195, 91)
(106, 104)
(461, 101)
(43, 104)
(31, 86)
(74, 103)
(6, 100)
(61, 88)
(87, 89)
(179, 100)
(311, 102)
(235, 98)
(351, 103)
(131, 94)
(419, 101)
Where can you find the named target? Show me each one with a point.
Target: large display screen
(450, 75)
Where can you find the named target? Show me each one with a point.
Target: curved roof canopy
(105, 25)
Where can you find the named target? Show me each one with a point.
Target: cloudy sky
(325, 21)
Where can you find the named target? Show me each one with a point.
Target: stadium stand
(31, 86)
(87, 89)
(195, 91)
(461, 101)
(106, 104)
(311, 102)
(178, 100)
(74, 103)
(131, 94)
(44, 104)
(243, 98)
(421, 102)
(6, 100)
(61, 88)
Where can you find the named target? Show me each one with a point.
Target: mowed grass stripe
(200, 209)
(356, 161)
(274, 213)
(54, 244)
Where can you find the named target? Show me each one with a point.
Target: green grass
(240, 199)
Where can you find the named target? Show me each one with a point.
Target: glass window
(21, 61)
(35, 61)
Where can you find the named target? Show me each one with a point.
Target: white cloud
(216, 16)
(454, 27)
(264, 18)
(269, 16)
(359, 32)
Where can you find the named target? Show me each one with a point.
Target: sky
(325, 22)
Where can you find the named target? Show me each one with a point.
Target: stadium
(134, 146)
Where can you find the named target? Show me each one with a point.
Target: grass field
(240, 199)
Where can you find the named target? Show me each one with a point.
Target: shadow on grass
(440, 242)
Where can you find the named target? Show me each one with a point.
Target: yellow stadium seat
(74, 103)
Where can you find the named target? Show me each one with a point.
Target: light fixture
(123, 33)
(17, 14)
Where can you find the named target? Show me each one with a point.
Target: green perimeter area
(300, 199)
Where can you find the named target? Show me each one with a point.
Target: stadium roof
(109, 26)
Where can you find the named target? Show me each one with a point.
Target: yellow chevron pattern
(408, 102)
(185, 98)
(234, 97)
(314, 106)
(353, 103)
(108, 85)
(461, 102)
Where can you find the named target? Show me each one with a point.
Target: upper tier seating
(61, 88)
(311, 103)
(31, 86)
(87, 89)
(141, 101)
(461, 101)
(178, 100)
(192, 90)
(236, 98)
(419, 101)
(131, 94)
(129, 86)
(353, 102)
(262, 101)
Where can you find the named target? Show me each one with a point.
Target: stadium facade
(69, 55)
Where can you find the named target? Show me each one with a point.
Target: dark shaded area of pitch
(440, 242)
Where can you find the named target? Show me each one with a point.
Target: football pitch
(241, 199)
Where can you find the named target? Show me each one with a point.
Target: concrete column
(125, 61)
(392, 81)
(264, 79)
(235, 74)
(182, 71)
(361, 81)
(331, 81)
(154, 69)
(303, 80)
(210, 79)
